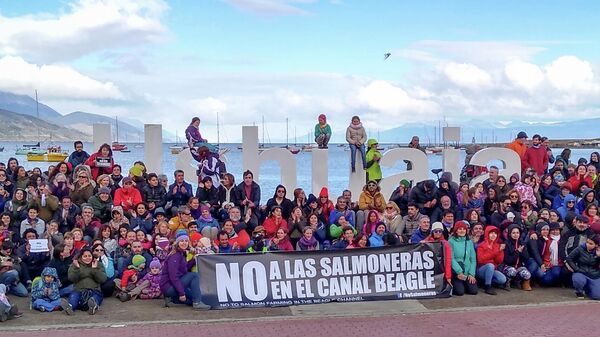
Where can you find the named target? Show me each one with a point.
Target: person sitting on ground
(437, 235)
(490, 254)
(87, 274)
(45, 295)
(464, 260)
(584, 261)
(422, 231)
(376, 237)
(515, 257)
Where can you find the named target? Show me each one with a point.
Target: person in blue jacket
(180, 192)
(376, 238)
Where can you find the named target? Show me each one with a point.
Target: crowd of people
(135, 235)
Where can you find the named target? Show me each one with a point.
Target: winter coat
(373, 167)
(66, 224)
(356, 135)
(512, 257)
(254, 193)
(46, 211)
(489, 252)
(208, 196)
(537, 158)
(80, 195)
(153, 290)
(174, 268)
(86, 277)
(464, 258)
(127, 198)
(271, 226)
(179, 198)
(563, 210)
(369, 201)
(583, 261)
(102, 210)
(97, 171)
(156, 194)
(38, 292)
(447, 256)
(572, 239)
(518, 147)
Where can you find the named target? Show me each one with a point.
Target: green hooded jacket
(373, 168)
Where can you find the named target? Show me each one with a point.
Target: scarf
(209, 218)
(554, 249)
(305, 244)
(356, 127)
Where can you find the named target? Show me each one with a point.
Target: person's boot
(526, 285)
(489, 290)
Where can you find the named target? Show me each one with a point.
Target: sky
(168, 61)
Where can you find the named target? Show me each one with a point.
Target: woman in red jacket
(490, 254)
(274, 222)
(101, 162)
(581, 175)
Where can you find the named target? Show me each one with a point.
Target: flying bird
(386, 55)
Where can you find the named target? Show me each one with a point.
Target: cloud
(271, 7)
(86, 27)
(467, 75)
(387, 98)
(570, 73)
(57, 81)
(524, 75)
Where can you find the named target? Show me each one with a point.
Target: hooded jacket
(127, 198)
(488, 251)
(420, 196)
(583, 203)
(326, 207)
(86, 277)
(539, 249)
(570, 240)
(563, 210)
(39, 290)
(373, 167)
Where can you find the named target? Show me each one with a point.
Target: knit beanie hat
(204, 208)
(155, 263)
(195, 237)
(137, 260)
(205, 242)
(181, 237)
(163, 243)
(180, 232)
(137, 170)
(104, 190)
(405, 183)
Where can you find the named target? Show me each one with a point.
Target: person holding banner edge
(464, 261)
(177, 282)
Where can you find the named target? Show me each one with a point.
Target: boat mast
(117, 125)
(37, 113)
(287, 142)
(218, 131)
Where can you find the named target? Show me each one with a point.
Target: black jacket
(585, 262)
(570, 240)
(157, 195)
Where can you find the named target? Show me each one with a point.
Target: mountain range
(18, 121)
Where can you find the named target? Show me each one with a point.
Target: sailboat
(116, 146)
(292, 149)
(52, 154)
(175, 149)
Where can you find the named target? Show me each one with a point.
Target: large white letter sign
(419, 171)
(320, 172)
(508, 157)
(252, 160)
(100, 135)
(153, 148)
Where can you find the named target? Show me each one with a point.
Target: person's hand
(183, 189)
(461, 277)
(543, 268)
(182, 298)
(95, 263)
(27, 248)
(597, 251)
(471, 279)
(275, 240)
(134, 278)
(75, 263)
(175, 190)
(502, 246)
(235, 245)
(520, 249)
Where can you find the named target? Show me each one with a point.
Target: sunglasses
(82, 177)
(514, 197)
(98, 250)
(188, 213)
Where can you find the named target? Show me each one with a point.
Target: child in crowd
(45, 291)
(150, 283)
(78, 241)
(130, 278)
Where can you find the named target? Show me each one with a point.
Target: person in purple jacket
(177, 282)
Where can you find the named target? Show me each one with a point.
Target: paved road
(578, 319)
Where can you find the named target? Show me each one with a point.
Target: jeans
(14, 286)
(66, 291)
(47, 305)
(550, 278)
(191, 286)
(590, 286)
(488, 274)
(76, 295)
(353, 149)
(460, 287)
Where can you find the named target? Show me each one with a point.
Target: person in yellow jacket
(373, 157)
(371, 198)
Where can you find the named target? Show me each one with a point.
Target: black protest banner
(292, 278)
